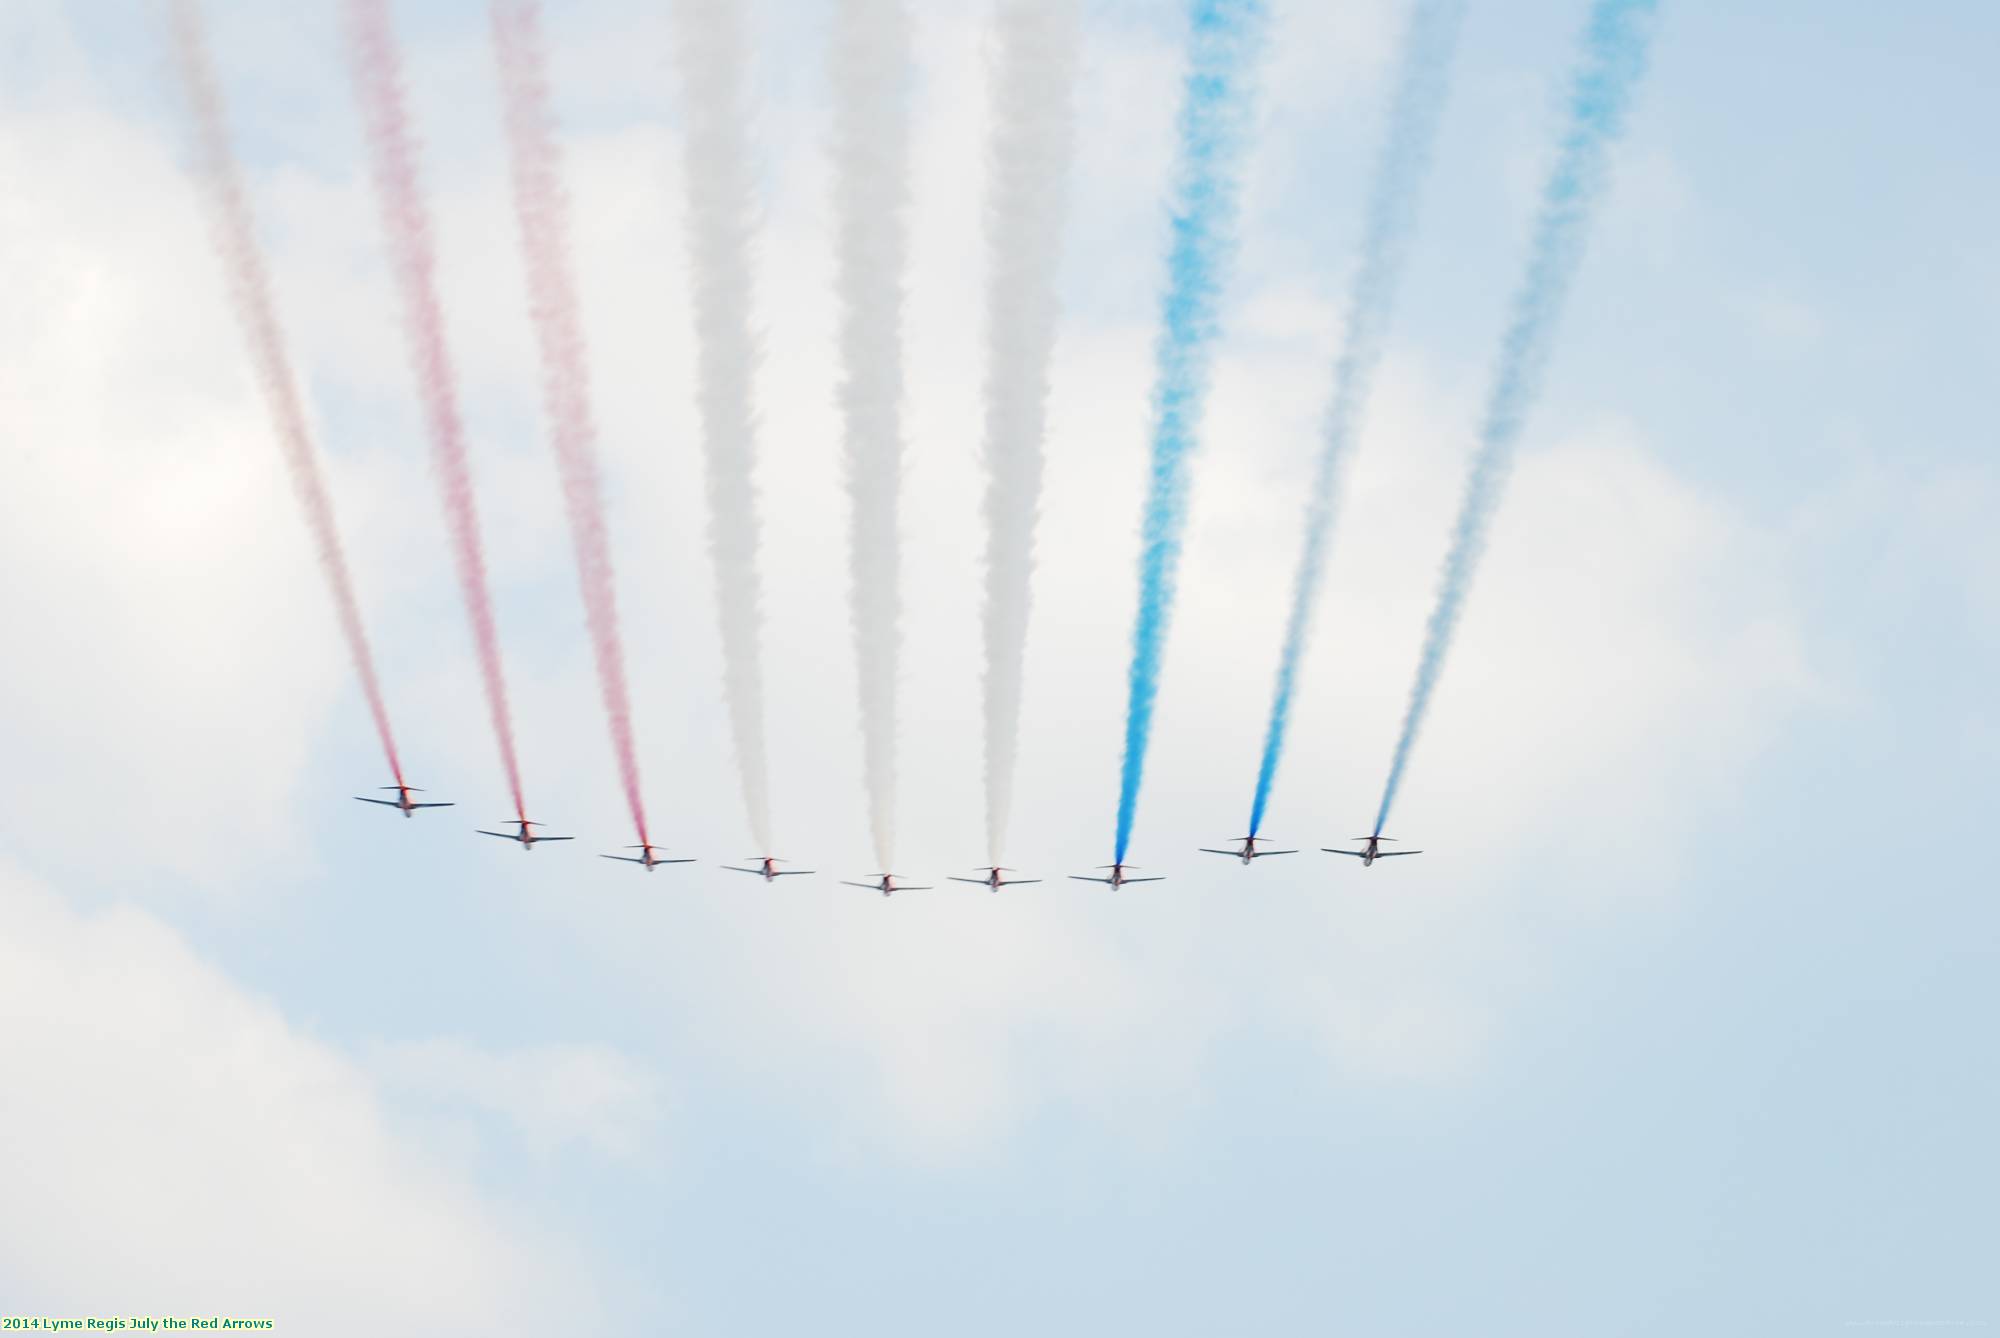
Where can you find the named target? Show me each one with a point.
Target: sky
(1677, 1025)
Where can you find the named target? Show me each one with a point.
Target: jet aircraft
(1248, 851)
(1117, 878)
(887, 885)
(1370, 850)
(767, 870)
(646, 858)
(993, 882)
(402, 800)
(527, 839)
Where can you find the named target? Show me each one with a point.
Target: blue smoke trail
(1385, 242)
(1614, 55)
(1215, 112)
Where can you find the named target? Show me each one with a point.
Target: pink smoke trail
(250, 292)
(540, 206)
(378, 79)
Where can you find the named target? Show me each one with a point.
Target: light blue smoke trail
(1614, 55)
(1425, 67)
(1223, 40)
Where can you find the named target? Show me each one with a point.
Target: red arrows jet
(1117, 878)
(1249, 850)
(646, 859)
(888, 885)
(527, 838)
(766, 869)
(993, 882)
(402, 800)
(1370, 851)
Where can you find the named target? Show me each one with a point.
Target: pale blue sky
(1679, 1025)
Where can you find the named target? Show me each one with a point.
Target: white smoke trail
(1034, 74)
(870, 64)
(709, 53)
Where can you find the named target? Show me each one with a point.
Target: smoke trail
(378, 82)
(1034, 71)
(541, 209)
(1614, 54)
(1399, 172)
(250, 292)
(709, 51)
(870, 63)
(1215, 114)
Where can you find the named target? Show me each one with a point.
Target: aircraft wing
(445, 805)
(504, 836)
(794, 873)
(1387, 854)
(738, 868)
(1211, 850)
(1011, 882)
(1086, 878)
(540, 839)
(872, 887)
(1261, 853)
(626, 859)
(1154, 878)
(388, 803)
(915, 887)
(1358, 854)
(688, 860)
(981, 882)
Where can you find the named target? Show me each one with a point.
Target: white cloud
(156, 548)
(176, 1146)
(553, 1095)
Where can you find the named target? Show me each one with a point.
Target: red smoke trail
(378, 80)
(540, 205)
(250, 290)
